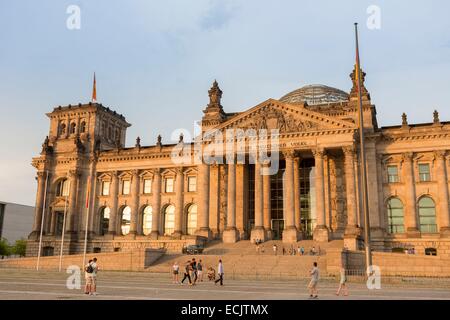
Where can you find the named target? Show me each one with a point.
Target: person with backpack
(200, 270)
(88, 277)
(194, 271)
(313, 293)
(94, 277)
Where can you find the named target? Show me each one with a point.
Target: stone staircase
(242, 260)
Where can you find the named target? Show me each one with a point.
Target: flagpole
(365, 198)
(42, 222)
(63, 232)
(87, 222)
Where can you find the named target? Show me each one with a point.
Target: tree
(20, 247)
(5, 249)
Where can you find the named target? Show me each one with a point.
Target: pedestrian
(274, 249)
(194, 271)
(313, 251)
(262, 249)
(187, 269)
(200, 270)
(220, 273)
(211, 274)
(175, 271)
(94, 277)
(299, 251)
(284, 251)
(88, 277)
(342, 283)
(313, 293)
(302, 250)
(257, 248)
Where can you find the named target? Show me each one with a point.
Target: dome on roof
(315, 94)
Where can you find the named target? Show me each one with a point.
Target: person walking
(274, 249)
(194, 271)
(187, 269)
(200, 270)
(313, 293)
(94, 277)
(302, 250)
(88, 277)
(220, 273)
(175, 271)
(342, 283)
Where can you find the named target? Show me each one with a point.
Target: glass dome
(315, 94)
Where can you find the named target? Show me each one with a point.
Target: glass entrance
(307, 197)
(277, 228)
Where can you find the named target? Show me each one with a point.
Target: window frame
(128, 189)
(166, 179)
(396, 175)
(426, 174)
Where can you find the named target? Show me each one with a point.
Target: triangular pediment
(273, 114)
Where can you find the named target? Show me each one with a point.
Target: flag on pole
(88, 193)
(94, 91)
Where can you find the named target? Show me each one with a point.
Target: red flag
(88, 193)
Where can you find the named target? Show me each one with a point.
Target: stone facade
(142, 196)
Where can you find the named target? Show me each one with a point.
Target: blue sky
(155, 61)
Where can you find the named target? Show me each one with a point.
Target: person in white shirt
(88, 277)
(313, 293)
(175, 271)
(220, 273)
(94, 277)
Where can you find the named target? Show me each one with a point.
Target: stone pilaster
(41, 181)
(156, 203)
(179, 203)
(297, 205)
(442, 182)
(230, 234)
(113, 194)
(214, 200)
(411, 219)
(258, 230)
(267, 204)
(290, 232)
(72, 216)
(321, 232)
(135, 181)
(352, 230)
(203, 204)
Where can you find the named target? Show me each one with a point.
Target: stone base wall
(134, 260)
(120, 244)
(391, 264)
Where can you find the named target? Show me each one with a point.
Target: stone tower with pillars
(66, 167)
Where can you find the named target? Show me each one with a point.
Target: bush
(5, 249)
(20, 247)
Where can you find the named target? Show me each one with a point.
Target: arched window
(395, 216)
(427, 215)
(147, 220)
(104, 220)
(191, 219)
(126, 220)
(83, 127)
(73, 128)
(169, 220)
(62, 129)
(62, 189)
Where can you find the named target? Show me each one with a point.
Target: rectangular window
(126, 187)
(392, 174)
(192, 184)
(147, 186)
(169, 185)
(424, 172)
(105, 188)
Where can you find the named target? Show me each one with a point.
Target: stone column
(411, 219)
(290, 233)
(267, 208)
(352, 230)
(442, 182)
(230, 234)
(179, 203)
(297, 204)
(156, 203)
(321, 230)
(214, 196)
(41, 180)
(113, 194)
(203, 204)
(135, 181)
(258, 230)
(72, 215)
(241, 200)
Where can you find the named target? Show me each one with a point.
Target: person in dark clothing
(187, 269)
(194, 270)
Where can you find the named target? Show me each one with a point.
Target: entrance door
(59, 223)
(277, 228)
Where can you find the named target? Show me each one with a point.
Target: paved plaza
(51, 285)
